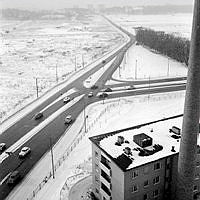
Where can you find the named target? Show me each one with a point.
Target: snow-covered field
(178, 24)
(49, 51)
(156, 66)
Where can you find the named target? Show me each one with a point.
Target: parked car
(38, 115)
(90, 94)
(68, 119)
(108, 90)
(2, 147)
(103, 61)
(103, 95)
(66, 99)
(94, 87)
(13, 178)
(24, 152)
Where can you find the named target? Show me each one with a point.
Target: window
(135, 174)
(195, 188)
(156, 180)
(97, 168)
(146, 170)
(135, 188)
(197, 176)
(157, 166)
(96, 154)
(146, 183)
(96, 179)
(155, 193)
(97, 191)
(145, 197)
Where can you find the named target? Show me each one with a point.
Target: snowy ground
(132, 67)
(178, 24)
(46, 49)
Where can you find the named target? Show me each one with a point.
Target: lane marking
(5, 178)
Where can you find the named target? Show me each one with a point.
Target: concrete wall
(117, 181)
(144, 175)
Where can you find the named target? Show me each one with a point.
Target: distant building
(139, 163)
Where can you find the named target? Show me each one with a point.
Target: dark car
(2, 147)
(103, 61)
(94, 87)
(13, 178)
(108, 90)
(38, 115)
(103, 95)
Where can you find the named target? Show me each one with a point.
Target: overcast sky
(54, 4)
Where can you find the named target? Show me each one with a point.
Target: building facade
(132, 177)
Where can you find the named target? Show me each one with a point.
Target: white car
(68, 119)
(66, 99)
(24, 152)
(90, 94)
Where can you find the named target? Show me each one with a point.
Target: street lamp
(52, 161)
(36, 85)
(135, 69)
(168, 67)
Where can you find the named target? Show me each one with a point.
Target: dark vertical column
(190, 127)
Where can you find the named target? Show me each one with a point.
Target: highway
(36, 134)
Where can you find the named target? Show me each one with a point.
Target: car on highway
(2, 146)
(24, 152)
(103, 95)
(131, 87)
(38, 115)
(108, 90)
(90, 94)
(94, 87)
(68, 119)
(13, 178)
(66, 99)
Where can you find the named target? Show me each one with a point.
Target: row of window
(155, 195)
(156, 180)
(157, 166)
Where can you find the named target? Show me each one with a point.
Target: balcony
(105, 191)
(105, 182)
(105, 168)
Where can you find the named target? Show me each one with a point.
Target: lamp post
(36, 84)
(135, 69)
(52, 161)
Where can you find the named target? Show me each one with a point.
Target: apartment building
(139, 163)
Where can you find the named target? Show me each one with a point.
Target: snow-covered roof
(162, 143)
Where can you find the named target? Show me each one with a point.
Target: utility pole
(36, 83)
(56, 72)
(135, 69)
(168, 67)
(52, 162)
(84, 115)
(75, 63)
(82, 61)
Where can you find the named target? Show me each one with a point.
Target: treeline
(18, 14)
(167, 44)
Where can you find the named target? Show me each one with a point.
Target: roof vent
(127, 150)
(120, 140)
(173, 149)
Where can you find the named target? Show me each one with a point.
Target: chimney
(190, 126)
